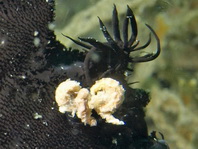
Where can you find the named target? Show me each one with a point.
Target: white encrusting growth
(2, 42)
(51, 26)
(36, 33)
(36, 41)
(37, 116)
(71, 97)
(105, 96)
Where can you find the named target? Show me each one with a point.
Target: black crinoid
(113, 57)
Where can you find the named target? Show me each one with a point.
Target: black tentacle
(144, 46)
(151, 56)
(78, 42)
(108, 37)
(95, 43)
(125, 32)
(131, 16)
(115, 25)
(133, 47)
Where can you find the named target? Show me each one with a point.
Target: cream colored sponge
(105, 96)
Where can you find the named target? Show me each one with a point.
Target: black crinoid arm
(114, 56)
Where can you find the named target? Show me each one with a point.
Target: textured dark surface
(29, 75)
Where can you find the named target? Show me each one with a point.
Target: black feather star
(114, 55)
(33, 63)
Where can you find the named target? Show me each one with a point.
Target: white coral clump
(105, 96)
(71, 97)
(65, 94)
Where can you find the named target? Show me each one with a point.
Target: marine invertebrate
(113, 56)
(105, 96)
(71, 97)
